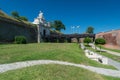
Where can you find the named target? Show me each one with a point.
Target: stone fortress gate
(43, 27)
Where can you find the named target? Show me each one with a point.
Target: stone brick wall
(111, 37)
(9, 30)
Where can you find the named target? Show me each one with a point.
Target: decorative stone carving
(42, 27)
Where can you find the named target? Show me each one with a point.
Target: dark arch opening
(44, 32)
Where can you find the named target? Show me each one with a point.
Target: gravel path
(18, 65)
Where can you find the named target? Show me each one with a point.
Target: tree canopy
(90, 30)
(58, 25)
(87, 40)
(23, 18)
(100, 41)
(15, 15)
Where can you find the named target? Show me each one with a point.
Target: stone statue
(41, 15)
(41, 18)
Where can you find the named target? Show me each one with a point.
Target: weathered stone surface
(74, 40)
(111, 37)
(8, 31)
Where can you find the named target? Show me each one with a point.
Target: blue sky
(103, 15)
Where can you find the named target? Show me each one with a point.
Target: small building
(43, 27)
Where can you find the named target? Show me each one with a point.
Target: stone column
(38, 33)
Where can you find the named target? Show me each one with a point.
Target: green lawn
(9, 18)
(53, 72)
(115, 50)
(69, 52)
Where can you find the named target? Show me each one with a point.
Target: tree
(23, 18)
(100, 41)
(58, 25)
(87, 40)
(15, 14)
(90, 30)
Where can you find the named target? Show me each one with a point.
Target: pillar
(38, 34)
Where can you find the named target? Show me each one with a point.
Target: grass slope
(115, 50)
(3, 16)
(51, 51)
(52, 72)
(114, 57)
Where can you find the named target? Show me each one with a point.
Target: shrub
(20, 40)
(57, 41)
(65, 41)
(100, 41)
(87, 40)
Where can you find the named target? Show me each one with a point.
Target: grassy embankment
(69, 52)
(114, 57)
(11, 19)
(53, 72)
(115, 50)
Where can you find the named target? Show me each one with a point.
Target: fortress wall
(9, 30)
(111, 37)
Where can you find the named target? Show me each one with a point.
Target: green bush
(100, 41)
(57, 41)
(65, 41)
(20, 40)
(87, 40)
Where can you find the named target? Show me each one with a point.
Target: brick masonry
(8, 31)
(111, 37)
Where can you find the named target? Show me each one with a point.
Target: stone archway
(44, 32)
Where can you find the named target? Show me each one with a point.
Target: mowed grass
(114, 57)
(115, 50)
(69, 52)
(53, 72)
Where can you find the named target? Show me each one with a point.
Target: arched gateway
(43, 29)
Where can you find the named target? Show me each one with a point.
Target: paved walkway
(108, 51)
(112, 52)
(18, 65)
(114, 63)
(110, 61)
